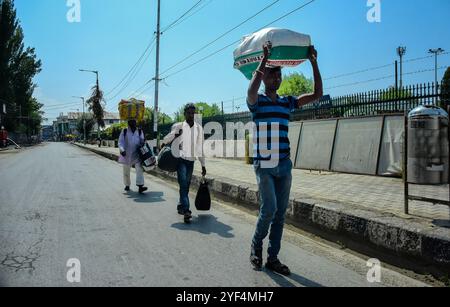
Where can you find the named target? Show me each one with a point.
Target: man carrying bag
(187, 145)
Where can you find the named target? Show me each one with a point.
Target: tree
(18, 66)
(162, 117)
(203, 108)
(149, 120)
(445, 90)
(95, 103)
(90, 122)
(296, 85)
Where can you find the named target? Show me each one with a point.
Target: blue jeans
(274, 190)
(185, 170)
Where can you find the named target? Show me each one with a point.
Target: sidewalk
(364, 210)
(375, 193)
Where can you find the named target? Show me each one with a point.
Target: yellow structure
(132, 109)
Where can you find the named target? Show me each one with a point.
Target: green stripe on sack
(249, 63)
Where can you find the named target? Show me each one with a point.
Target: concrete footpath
(363, 213)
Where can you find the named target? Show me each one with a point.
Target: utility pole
(436, 52)
(396, 76)
(401, 51)
(98, 90)
(158, 35)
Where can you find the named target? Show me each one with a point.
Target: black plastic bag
(166, 160)
(203, 199)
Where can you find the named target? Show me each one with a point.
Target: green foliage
(296, 85)
(445, 91)
(90, 122)
(113, 132)
(96, 105)
(18, 66)
(162, 117)
(391, 94)
(203, 108)
(148, 123)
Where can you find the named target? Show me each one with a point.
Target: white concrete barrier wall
(316, 144)
(294, 132)
(356, 144)
(391, 158)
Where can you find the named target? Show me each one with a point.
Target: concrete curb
(414, 239)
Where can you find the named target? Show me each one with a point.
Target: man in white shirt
(130, 140)
(187, 148)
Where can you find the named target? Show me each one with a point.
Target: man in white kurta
(188, 148)
(130, 140)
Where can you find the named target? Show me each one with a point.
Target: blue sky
(113, 34)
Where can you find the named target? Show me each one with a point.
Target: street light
(84, 119)
(436, 52)
(401, 51)
(92, 71)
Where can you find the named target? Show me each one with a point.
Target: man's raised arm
(252, 94)
(318, 85)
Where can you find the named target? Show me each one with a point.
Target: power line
(192, 14)
(218, 38)
(357, 72)
(59, 105)
(133, 67)
(379, 67)
(425, 70)
(179, 18)
(229, 45)
(423, 58)
(137, 69)
(383, 78)
(140, 88)
(361, 82)
(144, 88)
(286, 15)
(134, 76)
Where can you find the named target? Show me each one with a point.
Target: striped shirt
(272, 127)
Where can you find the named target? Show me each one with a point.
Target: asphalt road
(60, 202)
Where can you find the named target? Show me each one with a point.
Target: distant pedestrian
(130, 140)
(271, 113)
(3, 137)
(191, 147)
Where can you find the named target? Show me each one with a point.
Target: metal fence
(379, 102)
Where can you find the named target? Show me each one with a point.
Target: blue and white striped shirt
(272, 124)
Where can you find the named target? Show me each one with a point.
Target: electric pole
(401, 51)
(97, 92)
(436, 52)
(158, 35)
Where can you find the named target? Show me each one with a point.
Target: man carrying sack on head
(273, 166)
(130, 140)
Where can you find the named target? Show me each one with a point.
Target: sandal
(277, 267)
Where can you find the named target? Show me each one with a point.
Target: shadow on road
(206, 224)
(287, 281)
(149, 197)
